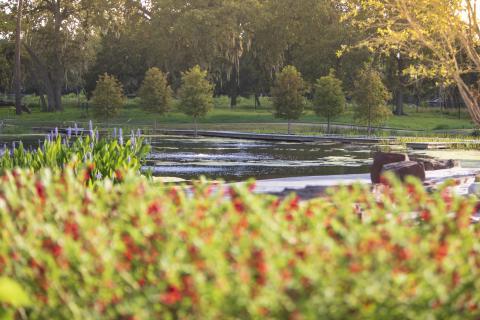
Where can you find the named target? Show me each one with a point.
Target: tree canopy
(329, 99)
(288, 95)
(371, 98)
(244, 44)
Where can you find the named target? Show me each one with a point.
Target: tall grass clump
(104, 156)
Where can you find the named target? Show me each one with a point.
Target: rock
(380, 159)
(406, 168)
(433, 164)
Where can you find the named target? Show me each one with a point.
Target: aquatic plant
(104, 156)
(140, 250)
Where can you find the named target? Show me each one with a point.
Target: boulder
(380, 159)
(433, 164)
(404, 169)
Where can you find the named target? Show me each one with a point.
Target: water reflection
(234, 160)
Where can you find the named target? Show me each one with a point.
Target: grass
(222, 117)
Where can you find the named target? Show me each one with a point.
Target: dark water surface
(233, 160)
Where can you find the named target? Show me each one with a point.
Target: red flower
(425, 215)
(401, 253)
(41, 191)
(54, 248)
(172, 296)
(294, 203)
(239, 205)
(119, 176)
(260, 266)
(441, 252)
(71, 229)
(355, 267)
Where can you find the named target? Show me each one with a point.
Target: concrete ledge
(298, 183)
(273, 137)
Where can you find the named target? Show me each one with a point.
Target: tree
(195, 94)
(18, 66)
(288, 95)
(329, 100)
(155, 93)
(441, 37)
(371, 97)
(107, 97)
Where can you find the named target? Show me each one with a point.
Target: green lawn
(243, 117)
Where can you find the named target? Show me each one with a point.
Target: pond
(235, 160)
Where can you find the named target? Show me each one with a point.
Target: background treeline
(242, 44)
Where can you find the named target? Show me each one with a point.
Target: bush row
(139, 250)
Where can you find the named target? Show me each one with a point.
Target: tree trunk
(289, 126)
(43, 102)
(257, 101)
(369, 122)
(195, 123)
(400, 89)
(233, 99)
(57, 73)
(17, 75)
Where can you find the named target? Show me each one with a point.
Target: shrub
(195, 94)
(138, 250)
(371, 97)
(329, 99)
(155, 93)
(107, 98)
(288, 95)
(104, 157)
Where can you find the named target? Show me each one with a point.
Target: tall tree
(155, 93)
(196, 94)
(442, 36)
(108, 97)
(60, 38)
(18, 66)
(371, 98)
(329, 100)
(288, 95)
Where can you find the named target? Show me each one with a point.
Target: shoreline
(312, 184)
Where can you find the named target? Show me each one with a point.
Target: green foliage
(329, 99)
(288, 94)
(371, 98)
(148, 251)
(196, 93)
(155, 93)
(12, 296)
(103, 157)
(107, 97)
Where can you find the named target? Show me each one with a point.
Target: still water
(233, 160)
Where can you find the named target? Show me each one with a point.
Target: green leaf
(12, 293)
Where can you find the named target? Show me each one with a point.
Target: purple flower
(56, 132)
(99, 176)
(120, 136)
(90, 125)
(139, 133)
(69, 132)
(114, 133)
(76, 129)
(14, 145)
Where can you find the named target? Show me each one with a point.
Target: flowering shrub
(102, 156)
(139, 250)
